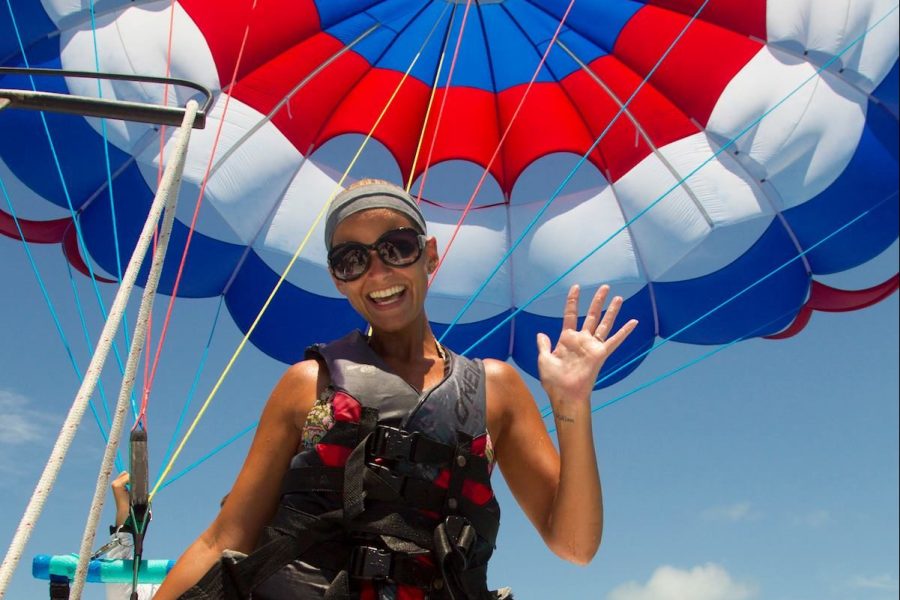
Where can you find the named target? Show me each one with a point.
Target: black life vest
(392, 500)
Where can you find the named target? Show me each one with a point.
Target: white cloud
(882, 583)
(19, 423)
(705, 582)
(742, 511)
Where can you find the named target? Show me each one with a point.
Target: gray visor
(365, 197)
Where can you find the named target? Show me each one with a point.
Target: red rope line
(440, 115)
(199, 202)
(141, 418)
(487, 168)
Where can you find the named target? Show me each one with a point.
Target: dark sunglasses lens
(399, 248)
(350, 261)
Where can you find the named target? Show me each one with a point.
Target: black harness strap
(355, 467)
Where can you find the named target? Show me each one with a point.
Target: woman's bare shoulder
(508, 398)
(501, 377)
(299, 387)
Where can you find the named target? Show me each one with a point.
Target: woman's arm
(560, 493)
(254, 498)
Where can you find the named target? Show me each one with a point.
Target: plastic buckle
(389, 477)
(392, 443)
(460, 532)
(367, 562)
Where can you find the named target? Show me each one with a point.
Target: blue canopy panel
(758, 294)
(75, 143)
(514, 33)
(32, 27)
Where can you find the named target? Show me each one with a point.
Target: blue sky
(768, 471)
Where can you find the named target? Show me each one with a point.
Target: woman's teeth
(386, 295)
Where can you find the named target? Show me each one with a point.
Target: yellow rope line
(281, 279)
(437, 78)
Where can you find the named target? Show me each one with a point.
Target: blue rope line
(678, 369)
(724, 147)
(74, 216)
(547, 410)
(752, 285)
(208, 455)
(112, 205)
(190, 397)
(109, 180)
(690, 363)
(56, 321)
(566, 181)
(87, 339)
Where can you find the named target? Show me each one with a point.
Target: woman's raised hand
(569, 371)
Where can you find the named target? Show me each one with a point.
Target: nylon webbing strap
(355, 467)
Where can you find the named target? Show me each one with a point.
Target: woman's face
(388, 298)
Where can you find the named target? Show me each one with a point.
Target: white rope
(168, 191)
(79, 405)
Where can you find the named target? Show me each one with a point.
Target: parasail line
(112, 204)
(283, 276)
(641, 262)
(148, 383)
(801, 255)
(208, 455)
(437, 77)
(546, 410)
(639, 130)
(206, 179)
(65, 188)
(53, 315)
(678, 369)
(531, 224)
(289, 96)
(87, 339)
(141, 417)
(76, 412)
(677, 184)
(496, 153)
(708, 354)
(437, 126)
(166, 200)
(193, 389)
(304, 157)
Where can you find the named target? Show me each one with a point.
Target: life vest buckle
(367, 562)
(388, 478)
(392, 443)
(460, 533)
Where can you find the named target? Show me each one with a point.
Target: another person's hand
(120, 494)
(569, 371)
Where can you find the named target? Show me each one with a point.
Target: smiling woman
(370, 473)
(728, 154)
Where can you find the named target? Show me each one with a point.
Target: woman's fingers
(596, 308)
(543, 343)
(609, 319)
(570, 314)
(618, 337)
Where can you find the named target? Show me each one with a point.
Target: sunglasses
(396, 248)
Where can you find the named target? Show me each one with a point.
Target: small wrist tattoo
(564, 418)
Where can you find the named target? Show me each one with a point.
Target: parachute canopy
(727, 153)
